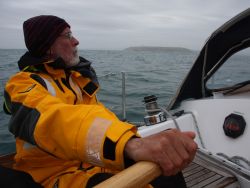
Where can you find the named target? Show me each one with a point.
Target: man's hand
(172, 150)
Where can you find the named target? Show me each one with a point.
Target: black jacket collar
(27, 60)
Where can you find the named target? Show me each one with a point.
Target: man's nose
(75, 41)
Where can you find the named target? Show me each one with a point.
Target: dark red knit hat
(40, 33)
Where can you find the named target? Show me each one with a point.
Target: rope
(171, 117)
(197, 129)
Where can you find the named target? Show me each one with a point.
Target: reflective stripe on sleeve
(94, 141)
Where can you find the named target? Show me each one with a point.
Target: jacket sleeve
(90, 133)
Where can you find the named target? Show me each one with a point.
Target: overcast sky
(117, 24)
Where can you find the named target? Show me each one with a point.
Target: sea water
(156, 73)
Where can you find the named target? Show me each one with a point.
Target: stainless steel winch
(154, 113)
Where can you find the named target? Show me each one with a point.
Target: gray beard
(73, 61)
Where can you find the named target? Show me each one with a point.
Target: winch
(154, 113)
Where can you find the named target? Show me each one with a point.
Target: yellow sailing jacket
(60, 126)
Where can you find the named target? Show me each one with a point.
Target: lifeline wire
(172, 117)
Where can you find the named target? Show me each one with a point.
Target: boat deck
(198, 175)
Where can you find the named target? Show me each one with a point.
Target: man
(64, 136)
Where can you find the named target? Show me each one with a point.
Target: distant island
(157, 49)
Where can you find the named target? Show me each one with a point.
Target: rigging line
(136, 71)
(127, 72)
(155, 70)
(108, 74)
(172, 117)
(168, 114)
(197, 129)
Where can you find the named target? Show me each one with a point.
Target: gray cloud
(117, 24)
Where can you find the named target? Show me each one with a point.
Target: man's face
(65, 47)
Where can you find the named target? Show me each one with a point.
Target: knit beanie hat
(40, 33)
